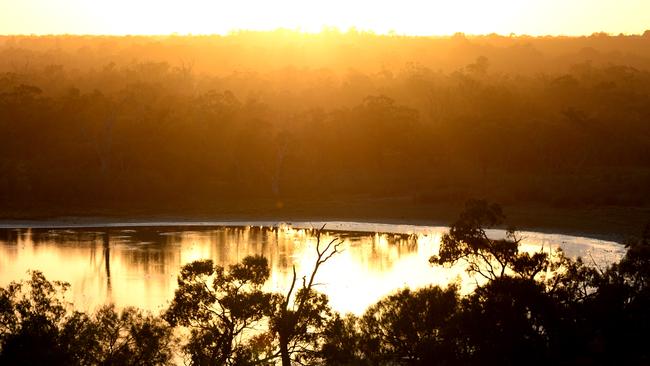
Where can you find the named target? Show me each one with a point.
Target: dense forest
(88, 121)
(532, 308)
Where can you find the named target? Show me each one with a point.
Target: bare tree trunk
(284, 350)
(291, 318)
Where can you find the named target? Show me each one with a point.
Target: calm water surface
(137, 264)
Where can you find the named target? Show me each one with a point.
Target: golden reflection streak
(143, 269)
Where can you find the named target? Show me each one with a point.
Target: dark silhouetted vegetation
(526, 308)
(234, 322)
(218, 307)
(37, 327)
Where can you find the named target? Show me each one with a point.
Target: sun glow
(415, 17)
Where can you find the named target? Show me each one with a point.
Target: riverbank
(607, 223)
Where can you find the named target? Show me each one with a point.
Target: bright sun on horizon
(411, 17)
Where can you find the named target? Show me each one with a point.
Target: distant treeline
(526, 309)
(282, 115)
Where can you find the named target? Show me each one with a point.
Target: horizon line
(335, 30)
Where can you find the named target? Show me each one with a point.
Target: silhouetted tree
(233, 321)
(300, 320)
(31, 315)
(38, 328)
(221, 307)
(527, 307)
(509, 321)
(342, 342)
(617, 319)
(489, 258)
(410, 327)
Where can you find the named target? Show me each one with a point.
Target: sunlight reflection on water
(137, 265)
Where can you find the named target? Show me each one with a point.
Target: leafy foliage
(221, 307)
(38, 328)
(233, 321)
(468, 240)
(410, 326)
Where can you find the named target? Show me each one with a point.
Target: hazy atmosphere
(409, 17)
(324, 183)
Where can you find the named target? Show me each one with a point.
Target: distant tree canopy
(91, 121)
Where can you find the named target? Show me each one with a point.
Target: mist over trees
(159, 121)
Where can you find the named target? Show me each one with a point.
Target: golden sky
(415, 17)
